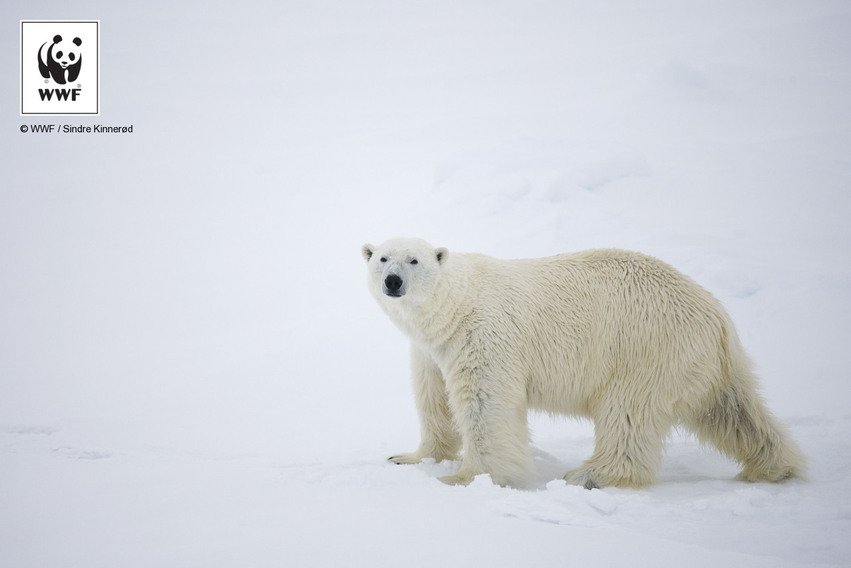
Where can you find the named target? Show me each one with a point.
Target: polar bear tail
(737, 421)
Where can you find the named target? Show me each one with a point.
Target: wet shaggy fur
(618, 337)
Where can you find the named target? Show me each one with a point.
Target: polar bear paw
(583, 477)
(406, 459)
(460, 478)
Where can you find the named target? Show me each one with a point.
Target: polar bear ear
(367, 250)
(441, 254)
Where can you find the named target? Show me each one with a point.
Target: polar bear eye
(414, 261)
(383, 259)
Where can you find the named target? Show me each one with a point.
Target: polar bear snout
(393, 286)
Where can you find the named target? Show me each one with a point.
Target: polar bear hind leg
(629, 439)
(738, 423)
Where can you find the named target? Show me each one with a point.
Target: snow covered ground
(192, 372)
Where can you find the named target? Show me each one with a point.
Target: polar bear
(615, 336)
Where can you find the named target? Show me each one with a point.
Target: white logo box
(42, 95)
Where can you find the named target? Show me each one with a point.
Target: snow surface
(194, 374)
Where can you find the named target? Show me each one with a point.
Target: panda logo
(60, 57)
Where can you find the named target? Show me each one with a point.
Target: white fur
(615, 336)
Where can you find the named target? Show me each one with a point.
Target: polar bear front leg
(491, 411)
(438, 438)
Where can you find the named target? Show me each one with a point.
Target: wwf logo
(60, 59)
(54, 78)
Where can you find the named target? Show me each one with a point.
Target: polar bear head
(403, 270)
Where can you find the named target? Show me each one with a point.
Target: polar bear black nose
(393, 283)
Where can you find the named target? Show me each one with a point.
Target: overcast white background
(192, 372)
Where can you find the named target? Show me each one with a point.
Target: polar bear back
(576, 325)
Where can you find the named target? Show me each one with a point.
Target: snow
(194, 374)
